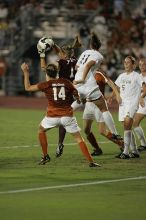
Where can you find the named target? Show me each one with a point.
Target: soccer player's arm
(87, 67)
(77, 42)
(27, 85)
(74, 92)
(143, 95)
(111, 84)
(91, 62)
(115, 92)
(85, 72)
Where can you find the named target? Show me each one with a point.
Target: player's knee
(87, 131)
(41, 130)
(102, 132)
(135, 123)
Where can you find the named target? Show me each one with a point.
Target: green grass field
(20, 153)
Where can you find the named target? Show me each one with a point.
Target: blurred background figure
(120, 24)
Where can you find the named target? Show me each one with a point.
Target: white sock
(133, 144)
(140, 134)
(108, 119)
(127, 140)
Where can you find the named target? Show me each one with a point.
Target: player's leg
(127, 137)
(71, 126)
(108, 119)
(88, 117)
(46, 124)
(91, 138)
(139, 131)
(62, 131)
(106, 133)
(59, 149)
(133, 146)
(44, 145)
(84, 149)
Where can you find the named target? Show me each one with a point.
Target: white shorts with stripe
(127, 110)
(142, 110)
(69, 123)
(91, 112)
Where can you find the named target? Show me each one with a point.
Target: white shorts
(142, 110)
(69, 123)
(87, 93)
(92, 112)
(127, 110)
(77, 107)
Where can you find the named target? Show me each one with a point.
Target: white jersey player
(141, 112)
(85, 82)
(89, 89)
(129, 84)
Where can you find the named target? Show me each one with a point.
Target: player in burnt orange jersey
(90, 114)
(101, 81)
(59, 94)
(66, 62)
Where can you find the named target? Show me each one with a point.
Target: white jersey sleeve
(89, 55)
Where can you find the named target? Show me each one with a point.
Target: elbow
(27, 88)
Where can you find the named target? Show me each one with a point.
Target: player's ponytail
(76, 43)
(95, 43)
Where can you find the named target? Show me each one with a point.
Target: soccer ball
(45, 44)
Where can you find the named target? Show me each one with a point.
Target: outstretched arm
(27, 85)
(115, 90)
(85, 72)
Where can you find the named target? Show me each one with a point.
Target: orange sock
(85, 151)
(43, 143)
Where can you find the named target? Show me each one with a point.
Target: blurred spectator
(91, 5)
(3, 11)
(119, 7)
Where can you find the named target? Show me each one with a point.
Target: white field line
(72, 185)
(67, 144)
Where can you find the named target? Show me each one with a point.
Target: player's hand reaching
(41, 51)
(25, 68)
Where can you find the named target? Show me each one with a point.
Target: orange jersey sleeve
(59, 93)
(101, 80)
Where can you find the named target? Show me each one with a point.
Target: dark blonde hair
(69, 48)
(133, 60)
(52, 70)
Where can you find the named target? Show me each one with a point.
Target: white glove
(41, 51)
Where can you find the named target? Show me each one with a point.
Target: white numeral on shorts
(61, 93)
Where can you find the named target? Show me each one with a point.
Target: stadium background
(120, 24)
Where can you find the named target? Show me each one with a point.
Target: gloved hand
(41, 51)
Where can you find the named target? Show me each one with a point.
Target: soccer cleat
(93, 164)
(134, 155)
(59, 150)
(97, 152)
(45, 160)
(118, 156)
(124, 156)
(141, 148)
(117, 137)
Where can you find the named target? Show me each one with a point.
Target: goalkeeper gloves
(41, 51)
